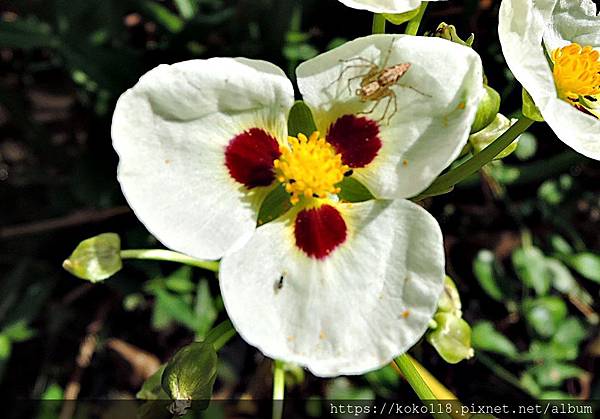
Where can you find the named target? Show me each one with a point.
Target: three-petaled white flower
(339, 287)
(385, 6)
(553, 49)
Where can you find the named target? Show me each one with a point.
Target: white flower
(552, 47)
(339, 287)
(385, 6)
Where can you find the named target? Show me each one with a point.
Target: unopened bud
(96, 258)
(488, 108)
(489, 134)
(450, 300)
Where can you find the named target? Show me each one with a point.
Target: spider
(376, 84)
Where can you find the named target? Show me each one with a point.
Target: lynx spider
(376, 84)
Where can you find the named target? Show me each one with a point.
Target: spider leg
(393, 99)
(345, 69)
(416, 90)
(349, 60)
(388, 53)
(370, 111)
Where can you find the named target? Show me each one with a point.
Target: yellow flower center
(576, 71)
(309, 167)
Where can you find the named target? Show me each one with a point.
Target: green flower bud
(452, 338)
(487, 109)
(398, 19)
(530, 110)
(449, 32)
(450, 300)
(96, 258)
(191, 373)
(486, 136)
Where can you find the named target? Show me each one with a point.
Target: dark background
(63, 64)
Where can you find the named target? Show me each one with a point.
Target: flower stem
(378, 23)
(278, 389)
(169, 256)
(412, 27)
(407, 367)
(446, 182)
(220, 334)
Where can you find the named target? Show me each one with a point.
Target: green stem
(417, 383)
(278, 389)
(220, 334)
(169, 256)
(378, 23)
(446, 182)
(412, 26)
(501, 372)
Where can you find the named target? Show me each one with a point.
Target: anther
(349, 173)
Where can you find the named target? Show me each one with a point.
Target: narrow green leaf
(587, 264)
(164, 16)
(483, 268)
(152, 389)
(206, 312)
(27, 34)
(485, 337)
(530, 265)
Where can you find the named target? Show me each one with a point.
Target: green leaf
(27, 33)
(560, 245)
(187, 8)
(300, 120)
(451, 338)
(552, 374)
(353, 191)
(206, 312)
(191, 373)
(550, 351)
(384, 381)
(486, 338)
(483, 268)
(563, 281)
(180, 281)
(274, 205)
(530, 110)
(163, 16)
(545, 314)
(530, 266)
(96, 258)
(5, 347)
(220, 334)
(586, 264)
(570, 333)
(176, 308)
(152, 389)
(18, 331)
(343, 389)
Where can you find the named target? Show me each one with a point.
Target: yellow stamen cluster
(309, 167)
(576, 71)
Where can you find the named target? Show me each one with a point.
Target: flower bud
(489, 134)
(451, 338)
(449, 32)
(191, 373)
(96, 258)
(488, 108)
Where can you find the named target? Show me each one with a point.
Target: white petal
(170, 131)
(384, 6)
(342, 314)
(522, 28)
(436, 102)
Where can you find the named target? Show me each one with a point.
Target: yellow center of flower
(576, 71)
(309, 167)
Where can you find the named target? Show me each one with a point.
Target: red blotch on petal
(249, 158)
(356, 138)
(319, 230)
